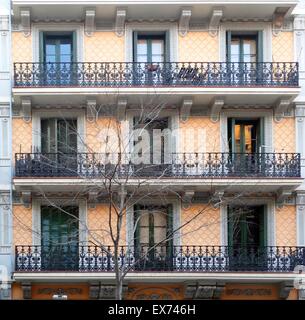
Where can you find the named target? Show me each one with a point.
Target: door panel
(247, 228)
(154, 225)
(59, 238)
(244, 146)
(59, 146)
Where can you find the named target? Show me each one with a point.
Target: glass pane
(142, 58)
(160, 222)
(249, 138)
(144, 227)
(66, 48)
(142, 47)
(157, 47)
(157, 58)
(50, 49)
(237, 133)
(235, 50)
(249, 50)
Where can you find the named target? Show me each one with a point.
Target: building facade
(6, 258)
(178, 127)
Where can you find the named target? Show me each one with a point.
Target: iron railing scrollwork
(128, 74)
(178, 165)
(159, 258)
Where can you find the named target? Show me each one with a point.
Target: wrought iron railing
(127, 74)
(177, 165)
(160, 258)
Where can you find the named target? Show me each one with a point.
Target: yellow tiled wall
(286, 226)
(104, 47)
(22, 225)
(22, 135)
(284, 135)
(198, 46)
(204, 229)
(98, 225)
(97, 132)
(282, 47)
(206, 135)
(22, 47)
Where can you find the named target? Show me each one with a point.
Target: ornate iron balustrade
(177, 165)
(129, 74)
(160, 258)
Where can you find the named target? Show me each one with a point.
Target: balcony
(79, 258)
(169, 74)
(175, 165)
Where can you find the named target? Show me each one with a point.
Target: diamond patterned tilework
(286, 226)
(204, 229)
(22, 224)
(96, 141)
(21, 47)
(284, 135)
(198, 46)
(22, 136)
(104, 47)
(282, 47)
(98, 225)
(206, 135)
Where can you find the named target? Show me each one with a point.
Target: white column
(5, 151)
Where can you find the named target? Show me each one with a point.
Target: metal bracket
(285, 288)
(121, 109)
(91, 110)
(215, 18)
(25, 15)
(281, 107)
(26, 197)
(216, 107)
(89, 21)
(26, 290)
(188, 195)
(92, 199)
(185, 109)
(278, 20)
(184, 21)
(26, 106)
(282, 195)
(121, 14)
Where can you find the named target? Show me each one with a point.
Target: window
(244, 46)
(151, 47)
(58, 135)
(57, 47)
